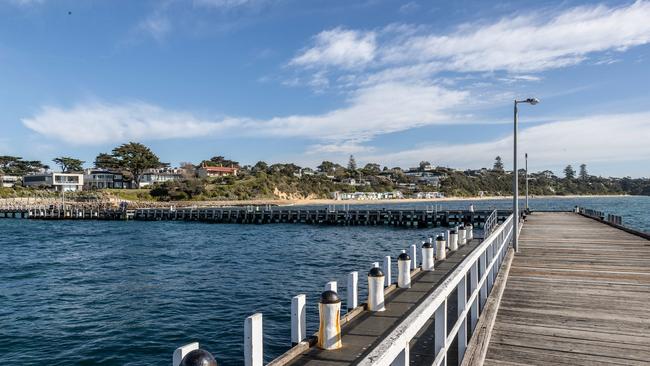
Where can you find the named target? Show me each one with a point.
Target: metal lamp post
(515, 180)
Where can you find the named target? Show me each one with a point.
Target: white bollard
(441, 247)
(414, 256)
(353, 290)
(404, 271)
(331, 286)
(298, 319)
(329, 332)
(453, 240)
(182, 351)
(471, 208)
(387, 274)
(253, 341)
(376, 290)
(427, 256)
(469, 229)
(462, 236)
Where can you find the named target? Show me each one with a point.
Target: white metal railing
(478, 271)
(490, 223)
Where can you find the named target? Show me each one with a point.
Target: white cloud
(601, 138)
(25, 2)
(409, 7)
(156, 25)
(532, 42)
(96, 123)
(369, 112)
(338, 47)
(518, 44)
(225, 3)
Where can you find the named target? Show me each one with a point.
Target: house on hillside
(217, 171)
(67, 182)
(9, 181)
(160, 175)
(103, 178)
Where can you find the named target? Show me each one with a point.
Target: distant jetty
(419, 218)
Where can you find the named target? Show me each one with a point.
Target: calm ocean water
(129, 293)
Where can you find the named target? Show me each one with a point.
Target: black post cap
(440, 238)
(329, 297)
(198, 357)
(453, 231)
(375, 272)
(403, 257)
(426, 244)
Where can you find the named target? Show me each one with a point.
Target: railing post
(298, 319)
(253, 341)
(482, 267)
(440, 332)
(182, 351)
(461, 291)
(473, 285)
(414, 256)
(331, 286)
(387, 275)
(403, 357)
(489, 255)
(353, 290)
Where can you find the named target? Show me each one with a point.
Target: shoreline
(292, 202)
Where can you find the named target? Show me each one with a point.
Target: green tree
(371, 169)
(134, 158)
(352, 164)
(260, 166)
(220, 161)
(583, 172)
(498, 164)
(7, 161)
(569, 172)
(424, 165)
(69, 164)
(105, 161)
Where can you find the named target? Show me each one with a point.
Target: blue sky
(393, 82)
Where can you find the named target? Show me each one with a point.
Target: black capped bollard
(404, 271)
(453, 240)
(376, 290)
(441, 247)
(198, 357)
(462, 235)
(427, 256)
(329, 332)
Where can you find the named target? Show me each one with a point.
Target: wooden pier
(577, 293)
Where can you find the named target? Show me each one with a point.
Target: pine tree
(569, 172)
(583, 172)
(498, 164)
(352, 164)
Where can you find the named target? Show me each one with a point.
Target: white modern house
(102, 178)
(8, 181)
(67, 182)
(160, 175)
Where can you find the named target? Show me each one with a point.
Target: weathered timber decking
(578, 293)
(367, 329)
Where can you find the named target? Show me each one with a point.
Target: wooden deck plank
(578, 293)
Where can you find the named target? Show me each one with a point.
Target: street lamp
(515, 179)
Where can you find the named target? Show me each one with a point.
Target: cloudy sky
(393, 82)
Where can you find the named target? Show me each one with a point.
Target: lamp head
(532, 101)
